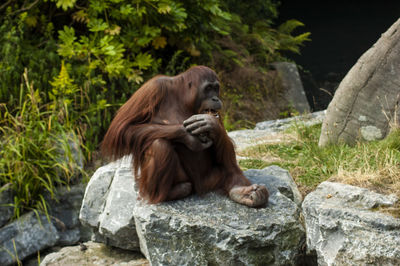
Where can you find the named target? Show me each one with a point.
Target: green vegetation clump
(111, 47)
(86, 58)
(375, 165)
(36, 150)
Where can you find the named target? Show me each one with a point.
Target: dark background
(341, 31)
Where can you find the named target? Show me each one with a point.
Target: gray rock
(370, 133)
(69, 237)
(96, 195)
(6, 201)
(117, 222)
(76, 152)
(293, 88)
(108, 205)
(65, 212)
(344, 228)
(195, 230)
(280, 125)
(25, 236)
(213, 230)
(97, 191)
(248, 137)
(90, 253)
(367, 100)
(267, 131)
(276, 179)
(32, 234)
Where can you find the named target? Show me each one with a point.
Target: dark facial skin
(208, 104)
(208, 97)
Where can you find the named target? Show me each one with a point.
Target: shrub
(87, 57)
(35, 149)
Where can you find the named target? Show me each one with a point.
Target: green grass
(35, 154)
(375, 165)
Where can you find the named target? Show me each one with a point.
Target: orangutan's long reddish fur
(150, 126)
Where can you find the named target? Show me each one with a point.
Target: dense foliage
(85, 58)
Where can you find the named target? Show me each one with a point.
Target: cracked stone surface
(367, 100)
(26, 236)
(344, 227)
(197, 230)
(108, 205)
(271, 131)
(91, 253)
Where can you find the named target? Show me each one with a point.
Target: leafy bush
(87, 57)
(110, 47)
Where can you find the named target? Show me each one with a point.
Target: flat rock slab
(276, 179)
(197, 230)
(270, 131)
(213, 230)
(91, 253)
(344, 227)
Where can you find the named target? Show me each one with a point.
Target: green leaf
(139, 12)
(126, 10)
(164, 8)
(144, 41)
(65, 4)
(159, 42)
(114, 66)
(289, 26)
(67, 35)
(81, 16)
(62, 84)
(151, 31)
(143, 61)
(179, 12)
(98, 6)
(97, 24)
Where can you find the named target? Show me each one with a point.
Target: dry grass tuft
(385, 180)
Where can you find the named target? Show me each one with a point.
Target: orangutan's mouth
(211, 112)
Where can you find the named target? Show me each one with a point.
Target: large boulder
(210, 229)
(108, 205)
(34, 232)
(293, 90)
(213, 229)
(24, 237)
(367, 100)
(344, 226)
(64, 211)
